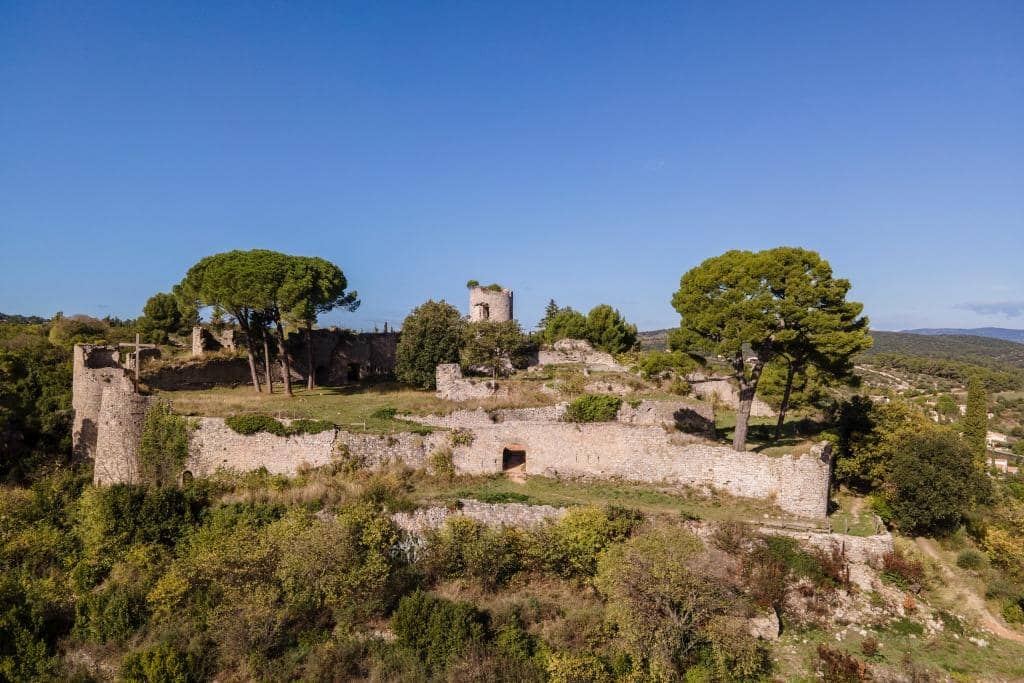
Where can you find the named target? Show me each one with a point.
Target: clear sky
(586, 151)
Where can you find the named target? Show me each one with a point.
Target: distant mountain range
(1003, 333)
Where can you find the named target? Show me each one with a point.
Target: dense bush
(438, 630)
(970, 559)
(932, 481)
(593, 408)
(163, 448)
(162, 663)
(431, 335)
(250, 423)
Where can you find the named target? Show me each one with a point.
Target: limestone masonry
(490, 304)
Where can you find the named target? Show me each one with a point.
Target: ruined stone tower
(109, 414)
(490, 303)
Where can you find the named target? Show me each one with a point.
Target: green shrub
(465, 548)
(438, 630)
(572, 546)
(163, 448)
(1013, 610)
(462, 437)
(593, 408)
(906, 627)
(970, 559)
(162, 663)
(111, 616)
(305, 426)
(384, 413)
(441, 463)
(253, 424)
(567, 667)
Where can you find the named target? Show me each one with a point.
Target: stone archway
(513, 457)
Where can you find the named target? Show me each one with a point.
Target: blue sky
(591, 152)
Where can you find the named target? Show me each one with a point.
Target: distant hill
(22, 319)
(987, 351)
(653, 340)
(1004, 333)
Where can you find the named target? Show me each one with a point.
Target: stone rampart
(691, 417)
(420, 521)
(215, 446)
(797, 484)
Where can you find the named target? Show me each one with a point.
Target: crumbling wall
(722, 390)
(798, 484)
(452, 386)
(205, 340)
(490, 304)
(691, 417)
(423, 520)
(577, 351)
(215, 446)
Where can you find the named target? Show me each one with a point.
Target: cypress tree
(975, 422)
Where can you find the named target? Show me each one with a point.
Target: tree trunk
(310, 380)
(247, 334)
(790, 372)
(285, 365)
(266, 362)
(747, 389)
(252, 368)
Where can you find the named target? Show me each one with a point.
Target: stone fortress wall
(490, 304)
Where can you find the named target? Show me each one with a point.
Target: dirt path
(969, 601)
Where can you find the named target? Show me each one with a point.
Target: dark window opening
(512, 457)
(321, 375)
(353, 372)
(186, 478)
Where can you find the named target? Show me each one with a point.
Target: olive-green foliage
(608, 330)
(163, 448)
(438, 630)
(970, 559)
(162, 317)
(431, 335)
(782, 302)
(932, 480)
(865, 433)
(975, 422)
(162, 663)
(572, 546)
(78, 329)
(253, 423)
(111, 615)
(465, 548)
(111, 519)
(441, 462)
(565, 323)
(593, 408)
(666, 604)
(570, 667)
(35, 402)
(495, 347)
(662, 364)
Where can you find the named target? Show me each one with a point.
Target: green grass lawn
(352, 407)
(650, 499)
(852, 516)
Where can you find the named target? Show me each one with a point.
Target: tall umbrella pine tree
(822, 329)
(313, 286)
(220, 281)
(776, 302)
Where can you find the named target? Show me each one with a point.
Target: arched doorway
(513, 457)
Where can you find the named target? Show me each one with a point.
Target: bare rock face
(452, 386)
(720, 388)
(577, 351)
(764, 626)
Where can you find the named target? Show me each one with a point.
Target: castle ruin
(490, 303)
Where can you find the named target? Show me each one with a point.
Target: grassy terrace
(354, 407)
